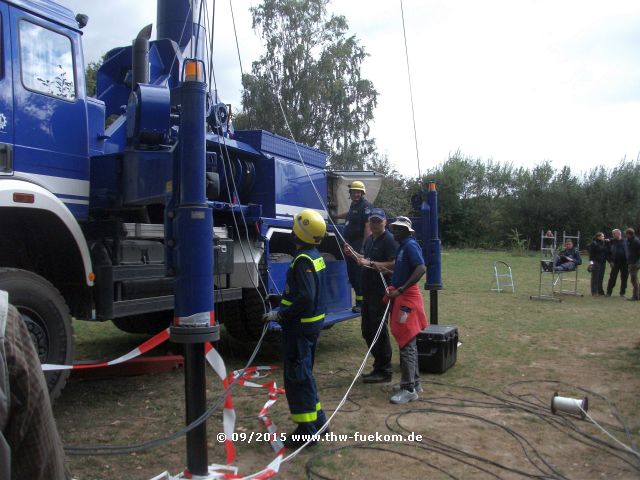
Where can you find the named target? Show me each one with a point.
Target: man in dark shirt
(568, 258)
(301, 315)
(30, 446)
(356, 229)
(633, 260)
(617, 257)
(378, 255)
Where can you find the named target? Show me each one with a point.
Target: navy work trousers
(299, 350)
(354, 271)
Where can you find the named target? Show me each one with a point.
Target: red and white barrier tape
(228, 416)
(150, 344)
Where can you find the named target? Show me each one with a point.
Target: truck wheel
(243, 319)
(48, 320)
(253, 310)
(146, 323)
(230, 314)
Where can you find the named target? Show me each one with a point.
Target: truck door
(50, 119)
(6, 95)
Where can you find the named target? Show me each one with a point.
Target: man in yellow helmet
(356, 229)
(301, 315)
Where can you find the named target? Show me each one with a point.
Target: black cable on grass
(563, 424)
(556, 421)
(526, 403)
(559, 421)
(143, 446)
(356, 405)
(508, 390)
(311, 474)
(525, 445)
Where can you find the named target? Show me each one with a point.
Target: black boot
(300, 436)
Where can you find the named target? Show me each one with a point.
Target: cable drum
(574, 406)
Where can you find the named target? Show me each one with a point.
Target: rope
(295, 453)
(413, 113)
(626, 447)
(235, 33)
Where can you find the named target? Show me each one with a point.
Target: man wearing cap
(407, 312)
(356, 229)
(378, 255)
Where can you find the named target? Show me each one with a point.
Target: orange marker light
(24, 197)
(193, 71)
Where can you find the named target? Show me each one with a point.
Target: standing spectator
(407, 312)
(356, 229)
(30, 447)
(379, 253)
(568, 258)
(617, 257)
(633, 260)
(597, 263)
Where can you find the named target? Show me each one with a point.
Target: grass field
(586, 342)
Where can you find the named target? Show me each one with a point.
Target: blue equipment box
(275, 144)
(437, 348)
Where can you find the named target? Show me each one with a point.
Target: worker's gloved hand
(272, 316)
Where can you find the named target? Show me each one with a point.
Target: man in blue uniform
(407, 313)
(301, 315)
(356, 229)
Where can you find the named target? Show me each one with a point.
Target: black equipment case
(437, 348)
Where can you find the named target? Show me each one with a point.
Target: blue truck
(84, 183)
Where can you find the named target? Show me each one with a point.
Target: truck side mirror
(82, 20)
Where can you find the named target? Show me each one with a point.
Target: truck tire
(48, 320)
(145, 323)
(230, 314)
(252, 312)
(243, 319)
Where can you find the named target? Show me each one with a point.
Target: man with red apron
(407, 311)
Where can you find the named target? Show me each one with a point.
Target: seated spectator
(568, 258)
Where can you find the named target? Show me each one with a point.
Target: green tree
(313, 66)
(394, 196)
(91, 76)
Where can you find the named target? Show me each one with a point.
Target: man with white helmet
(407, 312)
(356, 229)
(301, 315)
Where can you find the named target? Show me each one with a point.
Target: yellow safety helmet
(309, 226)
(357, 185)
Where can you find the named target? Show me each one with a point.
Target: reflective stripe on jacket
(303, 297)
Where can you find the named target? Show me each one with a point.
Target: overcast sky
(519, 81)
